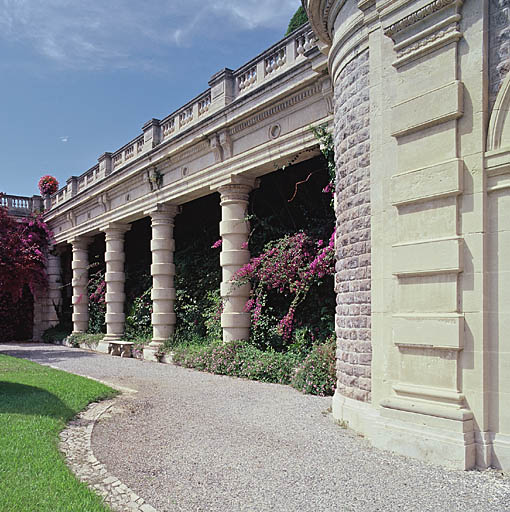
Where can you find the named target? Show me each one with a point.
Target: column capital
(161, 211)
(235, 191)
(80, 242)
(115, 229)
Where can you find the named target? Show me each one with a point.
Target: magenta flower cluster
(48, 185)
(24, 246)
(98, 295)
(289, 266)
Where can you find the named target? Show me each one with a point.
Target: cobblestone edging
(353, 244)
(75, 443)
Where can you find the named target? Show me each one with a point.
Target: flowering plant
(48, 185)
(289, 266)
(24, 246)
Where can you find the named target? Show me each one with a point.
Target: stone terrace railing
(21, 206)
(226, 86)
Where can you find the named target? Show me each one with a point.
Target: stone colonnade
(234, 230)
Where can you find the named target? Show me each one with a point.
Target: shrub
(138, 319)
(97, 304)
(87, 339)
(290, 267)
(316, 375)
(238, 359)
(57, 333)
(24, 245)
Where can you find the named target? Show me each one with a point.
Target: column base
(441, 441)
(103, 347)
(149, 354)
(235, 333)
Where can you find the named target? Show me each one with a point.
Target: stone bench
(120, 348)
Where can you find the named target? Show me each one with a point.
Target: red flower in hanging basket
(48, 185)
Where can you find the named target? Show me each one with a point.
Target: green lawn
(36, 402)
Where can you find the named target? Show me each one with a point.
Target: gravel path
(191, 441)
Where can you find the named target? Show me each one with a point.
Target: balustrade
(246, 79)
(203, 105)
(168, 127)
(253, 74)
(186, 116)
(275, 60)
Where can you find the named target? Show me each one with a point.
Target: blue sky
(81, 78)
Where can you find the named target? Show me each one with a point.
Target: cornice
(418, 15)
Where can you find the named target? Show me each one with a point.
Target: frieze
(418, 16)
(279, 107)
(423, 31)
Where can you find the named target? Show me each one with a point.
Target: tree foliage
(299, 18)
(24, 246)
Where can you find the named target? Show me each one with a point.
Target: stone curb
(75, 444)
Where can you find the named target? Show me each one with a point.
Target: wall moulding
(425, 30)
(442, 256)
(432, 108)
(433, 182)
(443, 331)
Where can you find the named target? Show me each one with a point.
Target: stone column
(45, 312)
(80, 265)
(115, 277)
(163, 272)
(234, 230)
(54, 289)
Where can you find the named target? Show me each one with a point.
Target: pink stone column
(163, 272)
(115, 278)
(234, 230)
(80, 266)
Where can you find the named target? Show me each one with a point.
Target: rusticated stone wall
(499, 43)
(353, 270)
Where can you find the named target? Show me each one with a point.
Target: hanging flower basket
(48, 185)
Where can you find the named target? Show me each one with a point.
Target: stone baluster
(163, 272)
(115, 278)
(80, 265)
(234, 230)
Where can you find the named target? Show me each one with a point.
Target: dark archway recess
(16, 317)
(289, 200)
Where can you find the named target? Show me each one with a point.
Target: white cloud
(117, 33)
(64, 138)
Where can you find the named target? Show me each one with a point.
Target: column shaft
(80, 265)
(163, 272)
(45, 313)
(234, 230)
(115, 278)
(54, 301)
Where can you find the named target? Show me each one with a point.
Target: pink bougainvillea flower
(217, 244)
